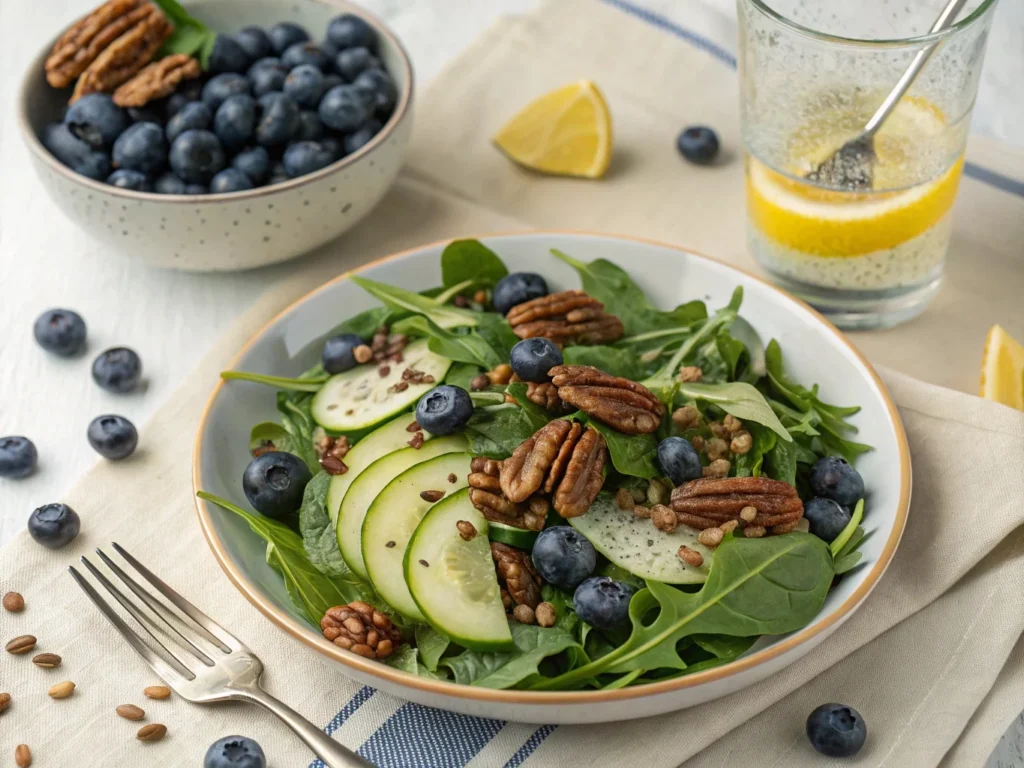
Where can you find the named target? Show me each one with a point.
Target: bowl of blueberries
(218, 134)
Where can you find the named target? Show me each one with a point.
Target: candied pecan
(125, 56)
(569, 316)
(562, 458)
(362, 629)
(544, 394)
(157, 80)
(623, 404)
(583, 477)
(88, 37)
(755, 501)
(485, 494)
(523, 473)
(516, 574)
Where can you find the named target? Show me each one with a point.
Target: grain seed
(130, 712)
(61, 690)
(151, 732)
(157, 692)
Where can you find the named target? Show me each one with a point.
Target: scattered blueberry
(531, 359)
(343, 108)
(698, 144)
(834, 478)
(18, 456)
(305, 85)
(351, 62)
(154, 112)
(175, 103)
(193, 116)
(310, 127)
(444, 410)
(54, 525)
(266, 80)
(235, 752)
(603, 603)
(197, 189)
(254, 162)
(255, 42)
(360, 137)
(349, 31)
(279, 120)
(60, 331)
(563, 556)
(96, 120)
(306, 157)
(338, 356)
(305, 53)
(285, 35)
(827, 518)
(169, 184)
(228, 55)
(124, 178)
(235, 121)
(230, 180)
(678, 460)
(75, 153)
(141, 148)
(117, 370)
(112, 437)
(274, 482)
(222, 86)
(197, 156)
(517, 288)
(836, 730)
(377, 83)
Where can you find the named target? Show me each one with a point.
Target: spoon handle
(946, 19)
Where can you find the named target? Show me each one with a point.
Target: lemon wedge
(1002, 369)
(567, 132)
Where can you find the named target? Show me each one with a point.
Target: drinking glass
(812, 73)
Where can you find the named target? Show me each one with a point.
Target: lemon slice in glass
(1002, 369)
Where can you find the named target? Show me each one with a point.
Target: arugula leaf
(840, 541)
(431, 644)
(400, 299)
(463, 347)
(496, 331)
(733, 353)
(538, 416)
(740, 399)
(846, 563)
(630, 454)
(751, 463)
(617, 361)
(470, 260)
(277, 382)
(507, 670)
(496, 432)
(366, 323)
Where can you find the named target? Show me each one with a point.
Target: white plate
(815, 352)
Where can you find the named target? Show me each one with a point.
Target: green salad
(497, 484)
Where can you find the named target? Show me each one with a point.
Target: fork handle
(333, 754)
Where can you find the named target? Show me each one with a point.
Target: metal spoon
(852, 165)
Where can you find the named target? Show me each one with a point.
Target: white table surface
(170, 318)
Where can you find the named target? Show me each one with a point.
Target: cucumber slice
(509, 534)
(392, 519)
(389, 438)
(371, 482)
(636, 545)
(458, 592)
(361, 398)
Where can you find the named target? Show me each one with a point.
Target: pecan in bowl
(751, 501)
(566, 317)
(626, 406)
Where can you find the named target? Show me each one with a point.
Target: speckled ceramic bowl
(238, 230)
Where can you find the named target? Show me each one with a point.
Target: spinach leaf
(496, 432)
(632, 455)
(740, 399)
(507, 670)
(271, 432)
(724, 646)
(538, 416)
(618, 361)
(462, 375)
(765, 586)
(432, 645)
(733, 353)
(751, 463)
(400, 299)
(297, 420)
(190, 36)
(470, 260)
(407, 659)
(277, 382)
(780, 462)
(496, 331)
(846, 563)
(366, 323)
(462, 347)
(318, 538)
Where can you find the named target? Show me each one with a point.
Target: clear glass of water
(812, 74)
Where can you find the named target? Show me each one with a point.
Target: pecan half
(583, 477)
(524, 472)
(362, 629)
(126, 55)
(516, 574)
(623, 404)
(564, 317)
(709, 502)
(157, 80)
(485, 494)
(87, 38)
(545, 395)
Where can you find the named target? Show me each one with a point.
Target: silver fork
(215, 665)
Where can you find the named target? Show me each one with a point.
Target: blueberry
(516, 288)
(305, 85)
(60, 331)
(338, 352)
(563, 556)
(277, 174)
(698, 144)
(444, 410)
(306, 157)
(333, 147)
(377, 83)
(193, 116)
(54, 525)
(221, 86)
(267, 62)
(75, 153)
(678, 460)
(349, 31)
(18, 456)
(96, 120)
(834, 478)
(362, 135)
(531, 359)
(274, 482)
(117, 370)
(343, 108)
(285, 35)
(603, 603)
(235, 752)
(254, 162)
(310, 127)
(230, 180)
(154, 112)
(266, 80)
(836, 730)
(332, 81)
(254, 41)
(827, 518)
(112, 437)
(309, 54)
(227, 55)
(127, 179)
(169, 184)
(197, 156)
(235, 121)
(279, 121)
(141, 148)
(175, 103)
(351, 62)
(197, 189)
